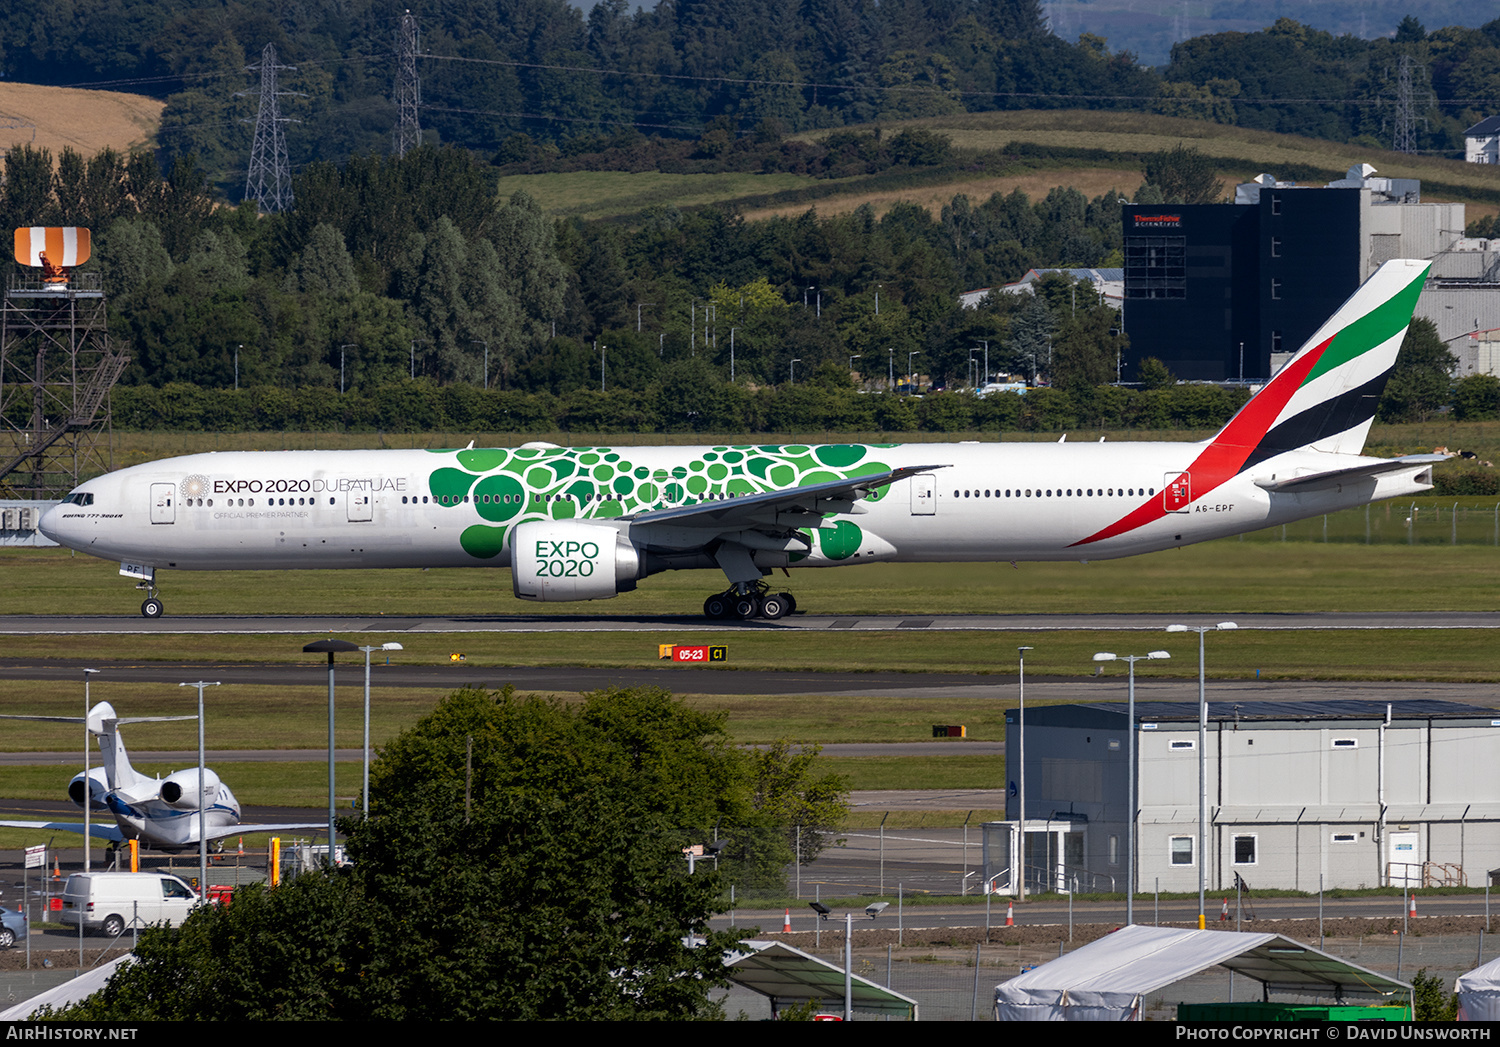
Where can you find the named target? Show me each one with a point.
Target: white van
(112, 902)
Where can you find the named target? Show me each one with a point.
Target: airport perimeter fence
(1393, 523)
(958, 984)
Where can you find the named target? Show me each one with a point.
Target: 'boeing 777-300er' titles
(588, 523)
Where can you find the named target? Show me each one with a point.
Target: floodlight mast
(1104, 656)
(1021, 774)
(1202, 762)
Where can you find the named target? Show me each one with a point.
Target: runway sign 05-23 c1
(691, 653)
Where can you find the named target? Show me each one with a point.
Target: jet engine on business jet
(180, 790)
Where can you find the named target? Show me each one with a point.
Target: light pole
(348, 345)
(986, 343)
(856, 356)
(1104, 656)
(1202, 760)
(88, 788)
(731, 354)
(330, 647)
(365, 802)
(893, 369)
(911, 379)
(795, 361)
(202, 804)
(481, 341)
(1021, 773)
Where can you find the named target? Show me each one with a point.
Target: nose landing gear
(151, 607)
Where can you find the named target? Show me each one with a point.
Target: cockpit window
(79, 498)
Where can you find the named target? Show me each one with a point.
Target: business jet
(160, 812)
(588, 523)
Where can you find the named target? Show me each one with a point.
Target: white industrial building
(1342, 793)
(1482, 142)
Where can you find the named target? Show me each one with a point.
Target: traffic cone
(56, 868)
(1224, 911)
(1010, 914)
(786, 923)
(1413, 910)
(242, 847)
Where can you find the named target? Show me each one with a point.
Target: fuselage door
(924, 495)
(1176, 492)
(163, 503)
(361, 506)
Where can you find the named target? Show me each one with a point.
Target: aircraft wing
(1331, 477)
(756, 510)
(97, 830)
(246, 829)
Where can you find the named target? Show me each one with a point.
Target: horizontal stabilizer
(1332, 477)
(97, 831)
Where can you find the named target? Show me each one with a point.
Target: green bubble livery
(510, 486)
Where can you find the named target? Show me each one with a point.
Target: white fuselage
(168, 828)
(392, 508)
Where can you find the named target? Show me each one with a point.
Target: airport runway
(325, 625)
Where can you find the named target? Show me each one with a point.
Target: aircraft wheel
(7, 937)
(716, 606)
(791, 603)
(775, 605)
(114, 926)
(747, 607)
(151, 608)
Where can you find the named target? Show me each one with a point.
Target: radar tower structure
(57, 367)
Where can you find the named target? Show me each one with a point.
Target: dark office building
(1214, 291)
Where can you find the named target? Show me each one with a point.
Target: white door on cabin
(1404, 859)
(923, 495)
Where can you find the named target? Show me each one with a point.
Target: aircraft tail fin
(1324, 398)
(105, 725)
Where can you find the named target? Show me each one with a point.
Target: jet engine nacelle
(572, 560)
(99, 786)
(180, 790)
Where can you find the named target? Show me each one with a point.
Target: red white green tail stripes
(1323, 399)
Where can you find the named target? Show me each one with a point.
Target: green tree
(1431, 1002)
(1420, 383)
(1184, 175)
(522, 860)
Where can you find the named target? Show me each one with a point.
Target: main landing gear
(756, 602)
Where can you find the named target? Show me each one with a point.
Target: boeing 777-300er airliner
(588, 523)
(160, 812)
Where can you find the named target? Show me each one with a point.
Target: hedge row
(421, 407)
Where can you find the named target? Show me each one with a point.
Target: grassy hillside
(54, 117)
(1092, 150)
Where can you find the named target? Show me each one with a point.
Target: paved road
(692, 680)
(324, 625)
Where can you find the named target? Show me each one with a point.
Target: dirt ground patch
(54, 117)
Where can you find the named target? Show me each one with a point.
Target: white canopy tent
(1479, 994)
(1109, 979)
(787, 975)
(66, 994)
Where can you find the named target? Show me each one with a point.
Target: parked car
(111, 902)
(12, 927)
